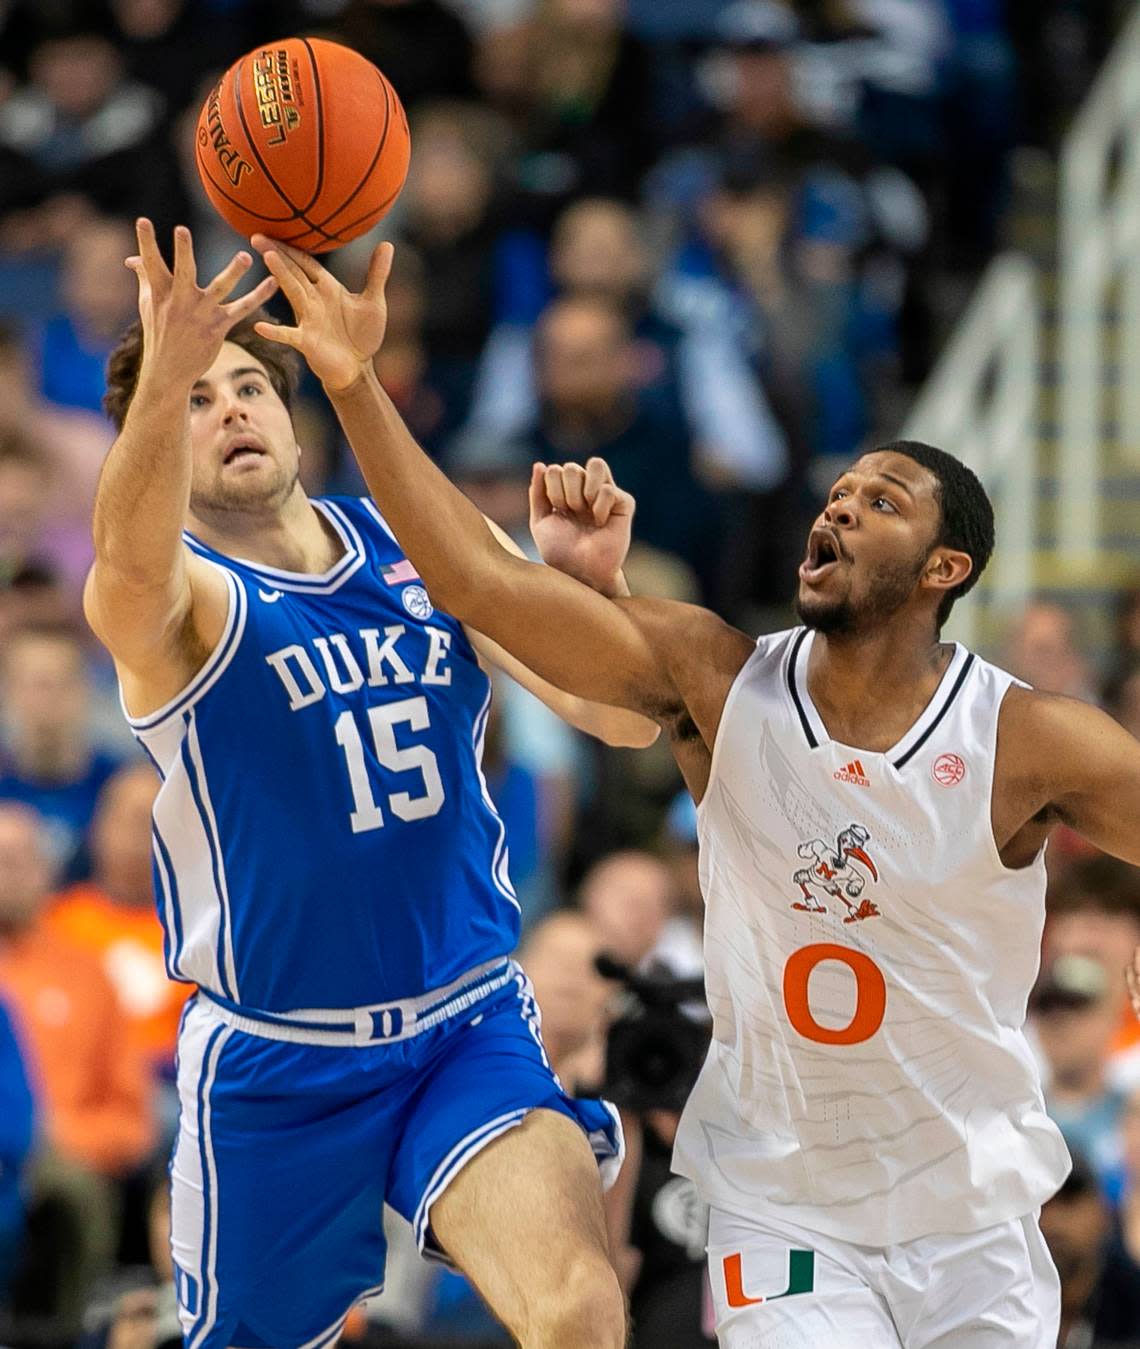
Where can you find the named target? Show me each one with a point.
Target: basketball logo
(416, 602)
(948, 770)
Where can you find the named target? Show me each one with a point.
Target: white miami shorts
(779, 1286)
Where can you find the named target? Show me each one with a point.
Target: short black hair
(967, 513)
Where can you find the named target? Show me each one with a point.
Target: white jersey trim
(216, 662)
(311, 583)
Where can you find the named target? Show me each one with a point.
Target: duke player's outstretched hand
(581, 521)
(337, 331)
(184, 324)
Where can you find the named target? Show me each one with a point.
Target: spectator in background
(31, 534)
(95, 1093)
(423, 390)
(1128, 1210)
(578, 87)
(1093, 910)
(558, 956)
(47, 760)
(1042, 650)
(1075, 1018)
(449, 215)
(78, 138)
(112, 916)
(1100, 1282)
(17, 1113)
(99, 298)
(75, 442)
(587, 382)
(167, 45)
(422, 45)
(628, 899)
(598, 251)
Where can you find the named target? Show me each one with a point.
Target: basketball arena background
(724, 245)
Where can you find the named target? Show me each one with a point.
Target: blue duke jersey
(323, 836)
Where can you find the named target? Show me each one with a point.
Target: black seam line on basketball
(375, 160)
(795, 692)
(925, 736)
(273, 183)
(258, 215)
(376, 211)
(320, 128)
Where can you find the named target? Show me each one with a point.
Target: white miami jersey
(868, 962)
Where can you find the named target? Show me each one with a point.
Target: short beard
(225, 500)
(891, 588)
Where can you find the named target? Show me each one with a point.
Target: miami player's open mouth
(823, 556)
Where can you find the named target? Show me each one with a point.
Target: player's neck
(296, 537)
(870, 688)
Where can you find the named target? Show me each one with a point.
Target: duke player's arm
(1062, 761)
(612, 725)
(158, 610)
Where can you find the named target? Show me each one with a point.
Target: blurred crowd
(709, 241)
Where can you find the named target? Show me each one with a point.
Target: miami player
(869, 1128)
(331, 870)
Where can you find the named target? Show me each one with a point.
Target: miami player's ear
(947, 568)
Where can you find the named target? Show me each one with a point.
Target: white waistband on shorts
(378, 1023)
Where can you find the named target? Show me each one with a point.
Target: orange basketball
(303, 140)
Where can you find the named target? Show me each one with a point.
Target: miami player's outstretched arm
(638, 654)
(144, 593)
(612, 725)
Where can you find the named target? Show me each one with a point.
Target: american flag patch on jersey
(398, 573)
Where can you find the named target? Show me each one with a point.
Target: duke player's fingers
(573, 487)
(379, 269)
(244, 305)
(152, 260)
(185, 268)
(540, 506)
(229, 276)
(278, 332)
(554, 488)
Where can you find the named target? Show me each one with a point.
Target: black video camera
(655, 1048)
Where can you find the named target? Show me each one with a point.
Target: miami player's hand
(337, 331)
(581, 521)
(184, 324)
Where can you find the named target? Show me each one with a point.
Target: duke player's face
(245, 455)
(870, 544)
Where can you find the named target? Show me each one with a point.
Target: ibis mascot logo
(837, 871)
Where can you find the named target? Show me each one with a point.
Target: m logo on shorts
(801, 1279)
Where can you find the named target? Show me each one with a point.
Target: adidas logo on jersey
(853, 773)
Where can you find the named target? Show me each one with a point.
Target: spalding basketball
(305, 141)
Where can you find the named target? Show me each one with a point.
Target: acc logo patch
(949, 770)
(415, 600)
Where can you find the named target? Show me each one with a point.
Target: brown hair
(281, 365)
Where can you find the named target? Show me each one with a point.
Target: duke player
(869, 1129)
(331, 869)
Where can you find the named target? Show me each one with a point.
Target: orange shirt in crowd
(128, 943)
(93, 1082)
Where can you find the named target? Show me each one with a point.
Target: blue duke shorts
(287, 1150)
